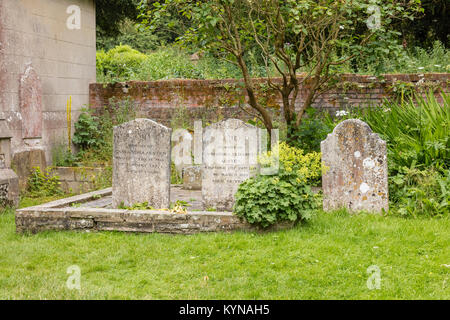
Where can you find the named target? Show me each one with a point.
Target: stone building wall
(218, 99)
(36, 33)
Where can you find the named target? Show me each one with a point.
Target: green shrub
(400, 60)
(123, 63)
(419, 60)
(94, 134)
(312, 130)
(416, 132)
(141, 40)
(286, 197)
(267, 200)
(167, 63)
(418, 142)
(307, 167)
(415, 192)
(43, 183)
(119, 64)
(86, 131)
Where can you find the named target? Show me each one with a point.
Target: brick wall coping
(413, 77)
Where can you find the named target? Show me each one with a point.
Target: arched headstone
(355, 165)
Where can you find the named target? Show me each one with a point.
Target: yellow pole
(69, 122)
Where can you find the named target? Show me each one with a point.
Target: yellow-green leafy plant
(307, 166)
(265, 200)
(43, 183)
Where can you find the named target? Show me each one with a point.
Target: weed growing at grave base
(175, 207)
(175, 177)
(43, 183)
(63, 157)
(326, 258)
(137, 206)
(94, 133)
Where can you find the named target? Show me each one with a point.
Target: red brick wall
(217, 99)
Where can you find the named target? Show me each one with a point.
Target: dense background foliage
(432, 25)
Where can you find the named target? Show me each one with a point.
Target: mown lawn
(324, 259)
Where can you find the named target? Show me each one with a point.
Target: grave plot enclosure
(93, 212)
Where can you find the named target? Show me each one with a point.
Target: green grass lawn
(324, 259)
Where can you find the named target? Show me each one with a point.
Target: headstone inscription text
(230, 150)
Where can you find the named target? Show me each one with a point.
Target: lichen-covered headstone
(141, 164)
(355, 165)
(31, 104)
(230, 151)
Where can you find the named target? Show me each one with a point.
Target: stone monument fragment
(31, 104)
(192, 178)
(9, 181)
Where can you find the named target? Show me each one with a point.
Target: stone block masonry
(215, 100)
(78, 179)
(35, 33)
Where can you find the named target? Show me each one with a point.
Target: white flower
(437, 65)
(341, 113)
(422, 80)
(341, 27)
(420, 68)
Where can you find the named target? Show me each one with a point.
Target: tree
(433, 24)
(110, 13)
(314, 37)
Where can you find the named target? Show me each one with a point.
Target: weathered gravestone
(355, 164)
(181, 149)
(31, 104)
(192, 178)
(230, 150)
(9, 181)
(141, 164)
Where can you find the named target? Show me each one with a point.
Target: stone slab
(88, 213)
(141, 164)
(355, 164)
(192, 178)
(31, 103)
(230, 151)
